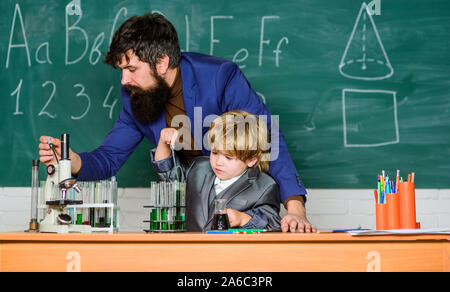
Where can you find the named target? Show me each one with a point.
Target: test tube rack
(99, 208)
(168, 207)
(110, 206)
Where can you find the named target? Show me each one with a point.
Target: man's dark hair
(150, 37)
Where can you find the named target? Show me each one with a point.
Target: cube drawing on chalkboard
(369, 118)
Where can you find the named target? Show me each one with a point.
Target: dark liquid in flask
(221, 222)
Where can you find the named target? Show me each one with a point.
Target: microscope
(59, 182)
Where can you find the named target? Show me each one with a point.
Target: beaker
(220, 221)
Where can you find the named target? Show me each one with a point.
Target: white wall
(326, 208)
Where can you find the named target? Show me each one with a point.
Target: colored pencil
(396, 180)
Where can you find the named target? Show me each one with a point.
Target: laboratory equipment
(59, 182)
(34, 224)
(168, 207)
(220, 220)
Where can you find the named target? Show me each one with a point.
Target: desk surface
(193, 237)
(20, 251)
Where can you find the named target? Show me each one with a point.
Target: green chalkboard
(358, 88)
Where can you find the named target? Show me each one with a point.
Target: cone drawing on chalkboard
(364, 56)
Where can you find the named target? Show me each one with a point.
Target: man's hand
(296, 219)
(47, 157)
(293, 223)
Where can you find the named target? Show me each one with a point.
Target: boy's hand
(237, 218)
(167, 137)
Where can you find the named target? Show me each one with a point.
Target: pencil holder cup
(407, 205)
(381, 212)
(393, 210)
(168, 207)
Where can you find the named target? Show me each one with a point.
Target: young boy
(235, 171)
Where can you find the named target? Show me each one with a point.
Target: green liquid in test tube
(183, 222)
(164, 219)
(153, 218)
(79, 219)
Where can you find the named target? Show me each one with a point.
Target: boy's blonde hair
(242, 135)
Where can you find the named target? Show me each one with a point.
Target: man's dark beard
(148, 105)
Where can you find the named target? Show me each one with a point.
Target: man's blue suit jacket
(212, 86)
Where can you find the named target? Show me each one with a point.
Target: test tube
(153, 205)
(183, 204)
(98, 199)
(34, 195)
(114, 199)
(103, 211)
(85, 197)
(164, 204)
(169, 206)
(174, 205)
(157, 214)
(178, 208)
(91, 201)
(158, 207)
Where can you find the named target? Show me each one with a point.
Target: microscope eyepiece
(64, 146)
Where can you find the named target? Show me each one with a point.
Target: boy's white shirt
(221, 185)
